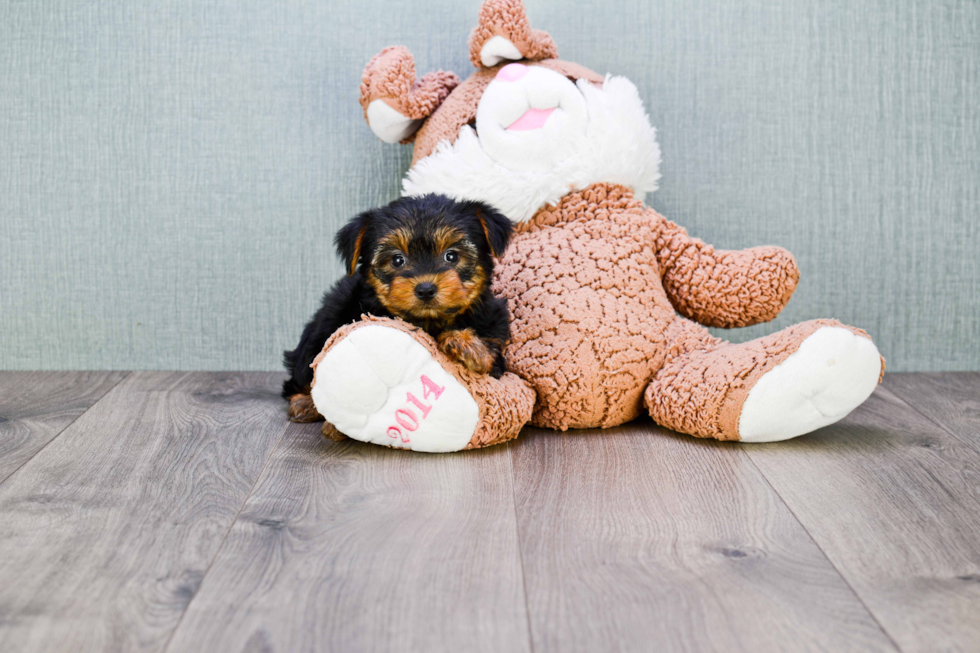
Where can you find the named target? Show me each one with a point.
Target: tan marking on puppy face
(395, 287)
(380, 288)
(401, 299)
(446, 237)
(397, 239)
(452, 296)
(451, 293)
(475, 285)
(449, 238)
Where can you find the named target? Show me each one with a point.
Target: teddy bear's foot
(385, 382)
(773, 388)
(379, 385)
(831, 373)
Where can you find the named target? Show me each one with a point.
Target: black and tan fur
(427, 260)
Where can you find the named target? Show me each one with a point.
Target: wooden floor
(181, 512)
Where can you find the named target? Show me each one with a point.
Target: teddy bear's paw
(379, 385)
(831, 373)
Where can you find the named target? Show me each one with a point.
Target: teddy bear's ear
(394, 103)
(505, 34)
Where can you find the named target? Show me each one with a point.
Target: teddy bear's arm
(723, 288)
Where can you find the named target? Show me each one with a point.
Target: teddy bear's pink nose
(512, 72)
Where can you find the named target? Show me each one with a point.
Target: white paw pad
(379, 385)
(831, 374)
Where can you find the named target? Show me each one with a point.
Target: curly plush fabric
(457, 110)
(507, 18)
(592, 323)
(504, 404)
(608, 299)
(588, 315)
(723, 288)
(390, 77)
(701, 389)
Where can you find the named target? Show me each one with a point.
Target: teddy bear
(609, 300)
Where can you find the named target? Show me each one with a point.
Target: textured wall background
(172, 172)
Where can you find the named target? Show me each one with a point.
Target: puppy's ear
(496, 228)
(351, 240)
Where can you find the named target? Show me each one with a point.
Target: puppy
(426, 260)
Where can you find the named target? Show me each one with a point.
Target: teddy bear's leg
(797, 380)
(386, 382)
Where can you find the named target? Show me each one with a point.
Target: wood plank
(36, 406)
(894, 501)
(107, 532)
(354, 547)
(951, 399)
(638, 539)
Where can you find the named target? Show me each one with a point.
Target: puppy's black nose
(425, 290)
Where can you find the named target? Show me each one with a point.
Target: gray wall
(172, 172)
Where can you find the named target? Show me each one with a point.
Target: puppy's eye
(451, 256)
(397, 261)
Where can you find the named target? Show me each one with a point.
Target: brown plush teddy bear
(607, 297)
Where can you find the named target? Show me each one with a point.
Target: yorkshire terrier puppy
(426, 260)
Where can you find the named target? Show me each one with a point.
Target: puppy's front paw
(465, 346)
(302, 409)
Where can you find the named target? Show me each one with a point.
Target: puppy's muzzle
(426, 291)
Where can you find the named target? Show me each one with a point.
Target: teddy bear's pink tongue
(532, 119)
